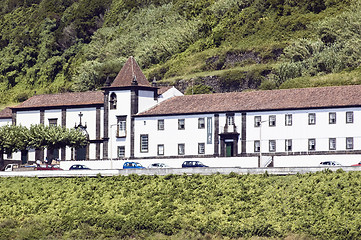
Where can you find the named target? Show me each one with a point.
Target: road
(177, 171)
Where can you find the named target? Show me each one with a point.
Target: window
(230, 119)
(121, 151)
(122, 126)
(288, 145)
(201, 148)
(257, 121)
(332, 117)
(181, 149)
(312, 144)
(160, 124)
(144, 143)
(288, 119)
(53, 122)
(349, 143)
(181, 124)
(311, 118)
(349, 117)
(257, 146)
(160, 149)
(332, 143)
(201, 123)
(113, 101)
(272, 120)
(272, 145)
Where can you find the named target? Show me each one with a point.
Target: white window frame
(160, 124)
(312, 119)
(160, 149)
(332, 143)
(122, 126)
(288, 145)
(230, 120)
(272, 120)
(121, 149)
(257, 146)
(349, 143)
(332, 118)
(144, 143)
(272, 145)
(288, 119)
(257, 121)
(312, 144)
(201, 148)
(181, 124)
(201, 123)
(349, 117)
(181, 149)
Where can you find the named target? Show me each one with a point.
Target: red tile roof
(63, 99)
(126, 75)
(6, 113)
(260, 100)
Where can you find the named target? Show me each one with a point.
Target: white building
(132, 119)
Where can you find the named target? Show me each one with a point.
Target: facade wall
(52, 114)
(171, 136)
(5, 121)
(301, 131)
(27, 118)
(123, 108)
(146, 100)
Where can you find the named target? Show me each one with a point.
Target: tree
(12, 138)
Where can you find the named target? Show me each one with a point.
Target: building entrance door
(229, 149)
(24, 156)
(80, 153)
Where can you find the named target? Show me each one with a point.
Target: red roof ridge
(280, 99)
(63, 99)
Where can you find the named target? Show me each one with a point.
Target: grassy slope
(48, 47)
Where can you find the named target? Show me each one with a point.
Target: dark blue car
(132, 165)
(187, 164)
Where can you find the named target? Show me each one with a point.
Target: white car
(330, 163)
(158, 165)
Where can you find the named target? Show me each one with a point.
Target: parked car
(158, 165)
(193, 164)
(330, 163)
(79, 167)
(128, 165)
(356, 165)
(48, 167)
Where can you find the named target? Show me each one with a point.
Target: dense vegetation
(324, 205)
(17, 138)
(51, 46)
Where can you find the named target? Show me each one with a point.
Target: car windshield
(138, 165)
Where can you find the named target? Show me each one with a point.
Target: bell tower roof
(130, 75)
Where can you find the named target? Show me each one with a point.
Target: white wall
(27, 118)
(172, 92)
(301, 131)
(146, 100)
(123, 109)
(5, 121)
(171, 136)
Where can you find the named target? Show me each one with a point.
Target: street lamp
(111, 145)
(260, 142)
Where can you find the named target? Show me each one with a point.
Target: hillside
(49, 46)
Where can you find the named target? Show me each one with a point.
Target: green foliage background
(324, 205)
(49, 46)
